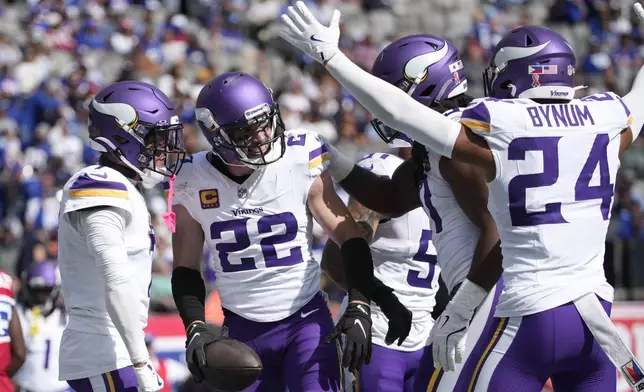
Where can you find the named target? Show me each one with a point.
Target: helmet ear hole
(428, 91)
(120, 139)
(528, 40)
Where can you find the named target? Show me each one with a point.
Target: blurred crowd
(56, 54)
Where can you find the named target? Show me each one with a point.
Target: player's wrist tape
(469, 296)
(358, 265)
(339, 165)
(189, 293)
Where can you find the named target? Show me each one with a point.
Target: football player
(454, 194)
(42, 326)
(12, 344)
(405, 260)
(106, 239)
(550, 161)
(253, 199)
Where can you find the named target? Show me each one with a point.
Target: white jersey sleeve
(318, 156)
(551, 197)
(104, 231)
(105, 259)
(96, 186)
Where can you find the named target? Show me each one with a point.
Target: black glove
(398, 315)
(199, 336)
(355, 324)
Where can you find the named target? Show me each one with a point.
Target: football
(231, 365)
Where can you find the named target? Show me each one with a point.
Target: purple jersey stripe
(86, 182)
(479, 112)
(317, 152)
(628, 112)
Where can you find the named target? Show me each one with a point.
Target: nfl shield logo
(241, 193)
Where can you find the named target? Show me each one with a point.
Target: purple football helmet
(531, 62)
(237, 114)
(42, 285)
(426, 67)
(137, 123)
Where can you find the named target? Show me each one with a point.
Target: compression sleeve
(104, 230)
(395, 108)
(634, 101)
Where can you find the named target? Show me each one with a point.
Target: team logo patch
(542, 69)
(209, 198)
(632, 372)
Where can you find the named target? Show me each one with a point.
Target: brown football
(231, 365)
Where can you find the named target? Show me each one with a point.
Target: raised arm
(389, 104)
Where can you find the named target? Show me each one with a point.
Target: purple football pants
(519, 354)
(390, 370)
(121, 380)
(292, 350)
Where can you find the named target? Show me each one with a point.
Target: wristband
(358, 265)
(189, 293)
(469, 296)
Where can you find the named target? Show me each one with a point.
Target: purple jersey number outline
(265, 225)
(47, 351)
(517, 187)
(427, 201)
(413, 276)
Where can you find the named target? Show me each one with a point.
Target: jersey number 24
(583, 190)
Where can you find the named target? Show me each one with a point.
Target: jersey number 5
(413, 277)
(583, 190)
(265, 225)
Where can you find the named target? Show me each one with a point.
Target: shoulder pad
(614, 98)
(380, 163)
(313, 146)
(477, 116)
(97, 186)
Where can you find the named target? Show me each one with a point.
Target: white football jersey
(404, 259)
(551, 198)
(259, 231)
(39, 372)
(83, 286)
(454, 235)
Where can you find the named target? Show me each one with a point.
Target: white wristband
(469, 296)
(339, 165)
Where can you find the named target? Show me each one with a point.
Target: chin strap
(170, 218)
